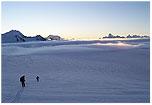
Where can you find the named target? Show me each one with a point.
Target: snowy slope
(76, 71)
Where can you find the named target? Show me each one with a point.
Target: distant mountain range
(129, 36)
(15, 36)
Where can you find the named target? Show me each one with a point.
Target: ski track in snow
(80, 72)
(16, 98)
(18, 95)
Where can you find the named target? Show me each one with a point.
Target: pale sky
(76, 19)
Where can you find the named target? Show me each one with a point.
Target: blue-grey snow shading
(77, 71)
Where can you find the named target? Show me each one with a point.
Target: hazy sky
(76, 19)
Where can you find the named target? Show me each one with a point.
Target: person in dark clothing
(37, 78)
(22, 80)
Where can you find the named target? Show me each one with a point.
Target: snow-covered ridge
(57, 43)
(54, 46)
(15, 36)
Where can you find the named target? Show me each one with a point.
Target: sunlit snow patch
(119, 44)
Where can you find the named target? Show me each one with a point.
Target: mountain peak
(14, 36)
(13, 32)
